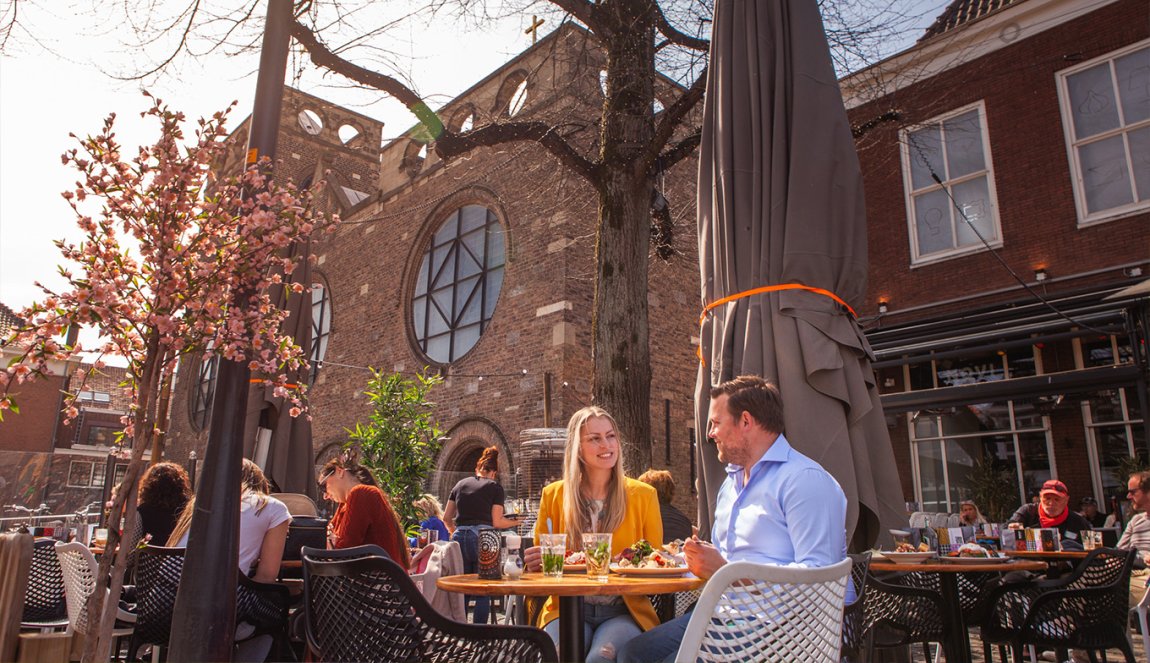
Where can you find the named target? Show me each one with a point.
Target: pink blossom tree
(168, 246)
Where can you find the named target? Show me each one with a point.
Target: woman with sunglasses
(365, 514)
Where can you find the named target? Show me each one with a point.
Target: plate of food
(908, 557)
(972, 553)
(576, 562)
(642, 559)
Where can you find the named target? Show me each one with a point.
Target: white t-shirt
(253, 526)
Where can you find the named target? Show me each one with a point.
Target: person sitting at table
(676, 525)
(476, 503)
(1137, 533)
(364, 514)
(595, 495)
(776, 506)
(969, 515)
(1052, 510)
(164, 492)
(428, 508)
(1088, 509)
(1118, 506)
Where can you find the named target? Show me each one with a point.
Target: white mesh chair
(80, 568)
(762, 612)
(1141, 610)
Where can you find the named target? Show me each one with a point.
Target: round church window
(458, 283)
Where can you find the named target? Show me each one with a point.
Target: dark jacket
(1027, 514)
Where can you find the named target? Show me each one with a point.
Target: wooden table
(570, 589)
(1048, 555)
(957, 644)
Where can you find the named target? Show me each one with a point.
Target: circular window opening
(310, 122)
(458, 283)
(348, 133)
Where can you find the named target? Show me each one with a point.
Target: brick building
(1034, 116)
(480, 268)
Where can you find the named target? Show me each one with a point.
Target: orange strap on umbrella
(758, 291)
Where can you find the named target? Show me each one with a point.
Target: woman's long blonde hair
(577, 508)
(252, 481)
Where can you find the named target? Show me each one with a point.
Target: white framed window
(949, 182)
(1106, 117)
(320, 327)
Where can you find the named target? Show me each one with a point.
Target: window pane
(964, 145)
(1104, 174)
(473, 217)
(439, 348)
(1140, 151)
(437, 316)
(1106, 406)
(79, 473)
(1035, 461)
(1020, 362)
(973, 198)
(448, 231)
(1097, 353)
(931, 476)
(465, 339)
(496, 252)
(494, 285)
(925, 151)
(1113, 448)
(961, 455)
(932, 222)
(467, 301)
(1133, 71)
(442, 269)
(925, 425)
(421, 277)
(922, 376)
(1092, 101)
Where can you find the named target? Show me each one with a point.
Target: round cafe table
(570, 589)
(957, 644)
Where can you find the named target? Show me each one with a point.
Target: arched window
(458, 283)
(204, 390)
(320, 327)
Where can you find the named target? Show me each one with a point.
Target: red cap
(1054, 486)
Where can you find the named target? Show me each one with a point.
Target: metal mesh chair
(763, 612)
(903, 609)
(369, 609)
(44, 604)
(1085, 610)
(158, 572)
(80, 572)
(854, 615)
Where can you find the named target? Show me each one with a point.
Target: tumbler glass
(553, 547)
(597, 551)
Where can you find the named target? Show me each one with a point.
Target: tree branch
(679, 151)
(452, 144)
(586, 12)
(676, 37)
(673, 116)
(323, 57)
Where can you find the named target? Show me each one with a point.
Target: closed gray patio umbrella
(781, 206)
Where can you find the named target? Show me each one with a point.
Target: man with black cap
(1088, 509)
(1052, 511)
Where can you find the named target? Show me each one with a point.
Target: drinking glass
(424, 538)
(597, 551)
(553, 548)
(101, 537)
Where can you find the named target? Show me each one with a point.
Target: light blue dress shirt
(791, 512)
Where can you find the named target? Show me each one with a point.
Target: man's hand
(703, 559)
(1014, 526)
(533, 559)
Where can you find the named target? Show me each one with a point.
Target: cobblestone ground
(976, 650)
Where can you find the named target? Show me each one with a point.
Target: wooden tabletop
(1047, 554)
(536, 584)
(961, 567)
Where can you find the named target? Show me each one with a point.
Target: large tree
(644, 42)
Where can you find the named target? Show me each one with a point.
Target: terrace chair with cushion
(1087, 609)
(369, 609)
(762, 612)
(44, 605)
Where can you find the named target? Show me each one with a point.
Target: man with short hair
(776, 506)
(1052, 510)
(1137, 532)
(1088, 509)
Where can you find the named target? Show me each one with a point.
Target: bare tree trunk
(620, 332)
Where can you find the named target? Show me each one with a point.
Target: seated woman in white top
(264, 522)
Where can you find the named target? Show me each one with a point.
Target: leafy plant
(1128, 465)
(400, 440)
(993, 489)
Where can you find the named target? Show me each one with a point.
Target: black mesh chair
(333, 554)
(369, 609)
(1084, 610)
(854, 616)
(158, 572)
(903, 609)
(44, 605)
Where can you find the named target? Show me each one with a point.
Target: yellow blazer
(641, 521)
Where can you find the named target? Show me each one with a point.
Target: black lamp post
(204, 623)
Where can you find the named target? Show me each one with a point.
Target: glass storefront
(1113, 419)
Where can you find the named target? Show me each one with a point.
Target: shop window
(104, 436)
(953, 214)
(1106, 116)
(458, 283)
(80, 473)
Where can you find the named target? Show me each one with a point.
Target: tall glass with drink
(597, 552)
(553, 548)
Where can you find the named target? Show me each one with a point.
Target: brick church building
(480, 268)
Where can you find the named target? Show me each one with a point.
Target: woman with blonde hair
(429, 509)
(596, 496)
(477, 503)
(264, 522)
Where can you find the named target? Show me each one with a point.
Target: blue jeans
(659, 645)
(606, 628)
(467, 536)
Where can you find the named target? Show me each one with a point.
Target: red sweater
(366, 517)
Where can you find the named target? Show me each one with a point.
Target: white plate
(908, 557)
(666, 572)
